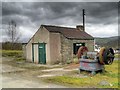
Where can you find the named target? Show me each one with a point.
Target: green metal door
(42, 53)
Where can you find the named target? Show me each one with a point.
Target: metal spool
(106, 56)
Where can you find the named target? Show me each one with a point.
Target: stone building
(53, 44)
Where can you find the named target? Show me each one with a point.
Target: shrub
(68, 61)
(76, 61)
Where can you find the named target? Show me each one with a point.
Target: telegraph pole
(83, 19)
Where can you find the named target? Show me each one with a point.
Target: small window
(76, 47)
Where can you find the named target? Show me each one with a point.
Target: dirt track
(15, 77)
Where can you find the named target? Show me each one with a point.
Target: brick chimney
(80, 27)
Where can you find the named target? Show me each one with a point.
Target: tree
(12, 33)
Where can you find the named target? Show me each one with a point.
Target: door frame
(33, 51)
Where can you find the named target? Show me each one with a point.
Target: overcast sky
(101, 18)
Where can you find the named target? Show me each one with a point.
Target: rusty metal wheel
(106, 56)
(81, 50)
(101, 59)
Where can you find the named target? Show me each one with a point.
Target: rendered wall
(55, 48)
(41, 36)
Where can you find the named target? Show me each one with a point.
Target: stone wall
(67, 48)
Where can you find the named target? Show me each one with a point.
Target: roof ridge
(58, 26)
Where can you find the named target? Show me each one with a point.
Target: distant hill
(108, 42)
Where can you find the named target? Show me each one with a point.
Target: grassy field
(11, 53)
(110, 76)
(17, 54)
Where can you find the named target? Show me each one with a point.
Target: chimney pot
(80, 27)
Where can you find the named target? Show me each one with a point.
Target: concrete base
(90, 65)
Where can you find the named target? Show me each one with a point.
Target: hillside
(108, 42)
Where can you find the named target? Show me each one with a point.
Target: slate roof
(70, 33)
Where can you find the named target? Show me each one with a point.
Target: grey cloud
(33, 14)
(39, 11)
(11, 8)
(97, 13)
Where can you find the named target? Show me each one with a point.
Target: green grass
(111, 76)
(16, 54)
(117, 55)
(11, 53)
